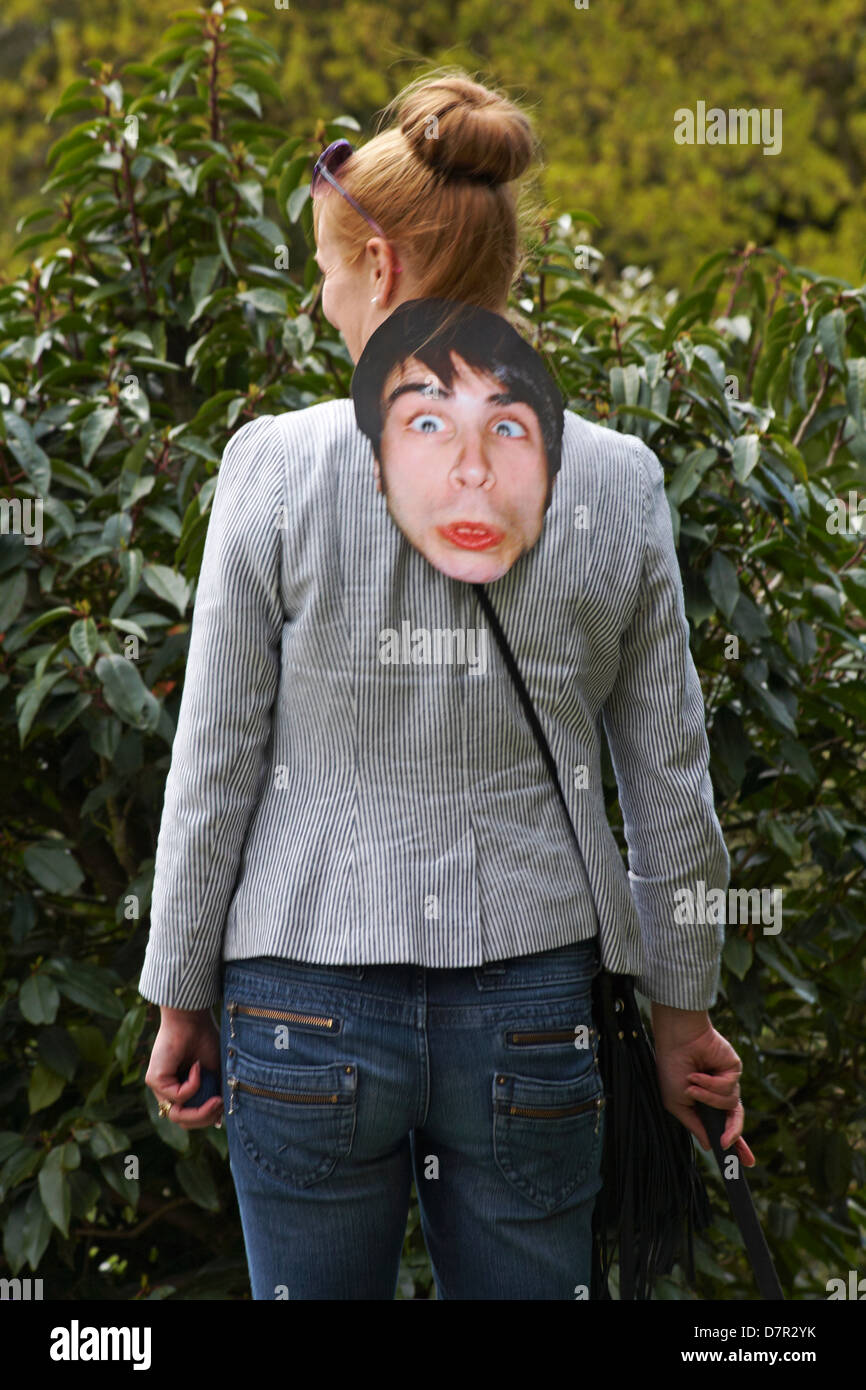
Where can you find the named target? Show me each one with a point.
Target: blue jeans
(342, 1083)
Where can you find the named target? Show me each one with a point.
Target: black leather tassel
(653, 1197)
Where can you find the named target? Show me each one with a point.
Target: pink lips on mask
(471, 535)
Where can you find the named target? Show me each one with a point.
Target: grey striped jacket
(353, 779)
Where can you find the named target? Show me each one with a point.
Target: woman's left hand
(695, 1063)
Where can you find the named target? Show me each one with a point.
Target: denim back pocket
(547, 1135)
(572, 967)
(295, 1122)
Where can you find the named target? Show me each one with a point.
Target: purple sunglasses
(331, 159)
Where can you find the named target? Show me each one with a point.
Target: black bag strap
(743, 1207)
(736, 1186)
(528, 707)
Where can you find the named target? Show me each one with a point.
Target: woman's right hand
(186, 1038)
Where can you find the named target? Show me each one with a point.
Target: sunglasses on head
(327, 164)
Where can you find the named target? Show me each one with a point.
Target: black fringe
(653, 1199)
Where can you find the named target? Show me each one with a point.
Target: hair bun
(465, 130)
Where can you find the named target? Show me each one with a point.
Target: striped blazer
(353, 779)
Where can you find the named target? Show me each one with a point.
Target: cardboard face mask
(466, 428)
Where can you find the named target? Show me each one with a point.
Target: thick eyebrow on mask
(442, 393)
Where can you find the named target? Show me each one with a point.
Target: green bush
(172, 298)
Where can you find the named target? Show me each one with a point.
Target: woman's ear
(386, 283)
(377, 474)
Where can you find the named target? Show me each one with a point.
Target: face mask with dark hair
(430, 476)
(430, 330)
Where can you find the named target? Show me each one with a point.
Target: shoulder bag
(653, 1198)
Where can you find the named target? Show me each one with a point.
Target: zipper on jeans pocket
(555, 1112)
(298, 1097)
(328, 1025)
(560, 1035)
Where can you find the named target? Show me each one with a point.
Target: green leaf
(790, 454)
(838, 1163)
(266, 301)
(828, 597)
(730, 744)
(113, 1176)
(805, 989)
(204, 272)
(54, 1190)
(88, 986)
(280, 155)
(745, 455)
(94, 430)
(295, 202)
(168, 585)
(784, 838)
(13, 592)
(134, 457)
(688, 475)
(54, 868)
(19, 1166)
(855, 389)
(185, 70)
(58, 1051)
(803, 358)
(58, 512)
(128, 1034)
(191, 545)
(247, 95)
(89, 1041)
(105, 1139)
(738, 955)
(344, 122)
(221, 241)
(797, 756)
(114, 92)
(625, 384)
(45, 1087)
(127, 625)
(131, 565)
(831, 336)
(48, 657)
(195, 1178)
(11, 1143)
(252, 194)
(777, 710)
(85, 1193)
(581, 296)
(126, 693)
(48, 617)
(724, 585)
(38, 999)
(22, 445)
(692, 307)
(27, 1233)
(76, 477)
(70, 1156)
(748, 621)
(84, 640)
(291, 177)
(105, 736)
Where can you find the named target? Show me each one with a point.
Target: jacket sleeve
(223, 728)
(654, 719)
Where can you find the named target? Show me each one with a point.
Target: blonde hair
(439, 183)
